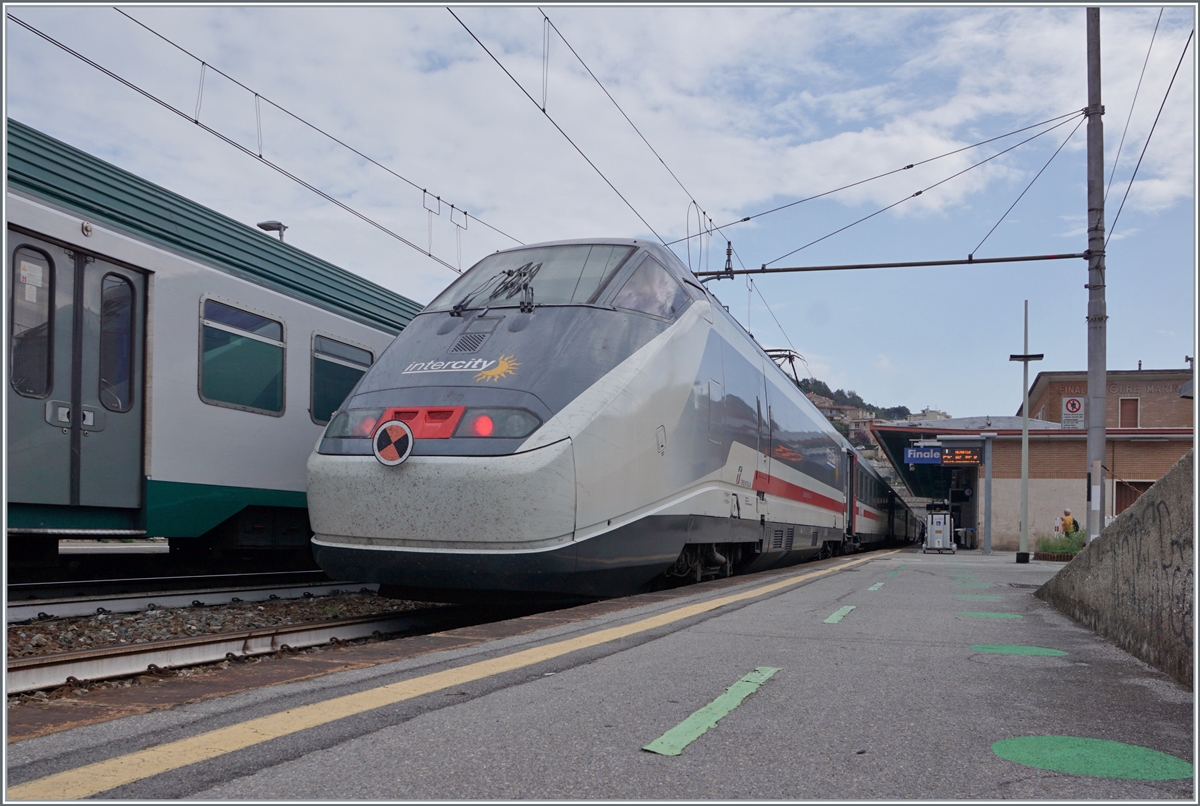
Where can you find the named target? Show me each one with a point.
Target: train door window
(1129, 412)
(241, 359)
(652, 290)
(116, 343)
(32, 322)
(336, 368)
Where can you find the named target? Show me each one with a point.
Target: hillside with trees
(851, 398)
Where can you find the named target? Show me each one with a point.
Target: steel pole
(987, 492)
(1097, 311)
(1025, 441)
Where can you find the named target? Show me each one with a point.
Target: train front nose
(445, 521)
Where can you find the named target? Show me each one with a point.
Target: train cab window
(652, 290)
(116, 343)
(32, 322)
(336, 368)
(241, 359)
(569, 274)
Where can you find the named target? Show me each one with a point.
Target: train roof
(51, 170)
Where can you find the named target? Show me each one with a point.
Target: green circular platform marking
(989, 615)
(1099, 758)
(1013, 649)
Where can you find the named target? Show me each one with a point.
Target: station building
(1150, 427)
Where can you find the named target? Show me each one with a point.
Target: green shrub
(1069, 543)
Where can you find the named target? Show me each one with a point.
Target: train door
(851, 465)
(76, 392)
(764, 427)
(766, 436)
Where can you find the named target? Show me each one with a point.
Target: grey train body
(587, 420)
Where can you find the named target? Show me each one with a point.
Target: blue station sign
(922, 456)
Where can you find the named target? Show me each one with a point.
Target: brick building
(1149, 428)
(1136, 398)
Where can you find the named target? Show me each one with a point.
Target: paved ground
(897, 699)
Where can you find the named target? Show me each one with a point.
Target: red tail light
(482, 426)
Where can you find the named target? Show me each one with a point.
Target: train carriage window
(652, 290)
(241, 359)
(336, 368)
(32, 322)
(116, 343)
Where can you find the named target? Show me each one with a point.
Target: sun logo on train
(505, 366)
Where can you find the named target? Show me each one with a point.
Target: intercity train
(168, 368)
(582, 419)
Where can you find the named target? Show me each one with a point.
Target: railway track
(38, 601)
(83, 667)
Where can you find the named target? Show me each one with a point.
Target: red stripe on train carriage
(784, 489)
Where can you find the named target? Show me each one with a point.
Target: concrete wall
(1133, 584)
(1047, 500)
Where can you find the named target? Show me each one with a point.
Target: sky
(744, 110)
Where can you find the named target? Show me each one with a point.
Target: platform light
(272, 226)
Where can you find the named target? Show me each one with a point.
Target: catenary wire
(894, 171)
(555, 125)
(919, 192)
(1148, 136)
(754, 285)
(691, 198)
(1027, 187)
(618, 106)
(1117, 158)
(312, 126)
(226, 139)
(653, 150)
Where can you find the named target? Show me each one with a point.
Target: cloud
(749, 107)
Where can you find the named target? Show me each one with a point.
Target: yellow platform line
(102, 776)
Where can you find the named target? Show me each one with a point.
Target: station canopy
(933, 480)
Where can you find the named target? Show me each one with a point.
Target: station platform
(886, 675)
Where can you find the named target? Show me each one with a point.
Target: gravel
(114, 629)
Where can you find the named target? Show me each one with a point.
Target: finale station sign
(943, 456)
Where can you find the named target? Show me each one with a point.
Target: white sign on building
(1073, 412)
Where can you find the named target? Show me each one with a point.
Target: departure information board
(961, 456)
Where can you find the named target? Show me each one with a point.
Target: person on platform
(1069, 526)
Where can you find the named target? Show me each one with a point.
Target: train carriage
(581, 418)
(169, 368)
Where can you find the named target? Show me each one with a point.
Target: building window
(241, 359)
(1129, 413)
(336, 368)
(32, 322)
(116, 343)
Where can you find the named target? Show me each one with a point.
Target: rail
(81, 666)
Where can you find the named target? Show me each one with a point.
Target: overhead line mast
(1097, 310)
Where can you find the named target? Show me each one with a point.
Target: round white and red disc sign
(393, 442)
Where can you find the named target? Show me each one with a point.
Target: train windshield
(544, 275)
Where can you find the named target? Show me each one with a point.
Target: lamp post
(272, 226)
(1025, 358)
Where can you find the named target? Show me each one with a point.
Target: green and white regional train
(168, 369)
